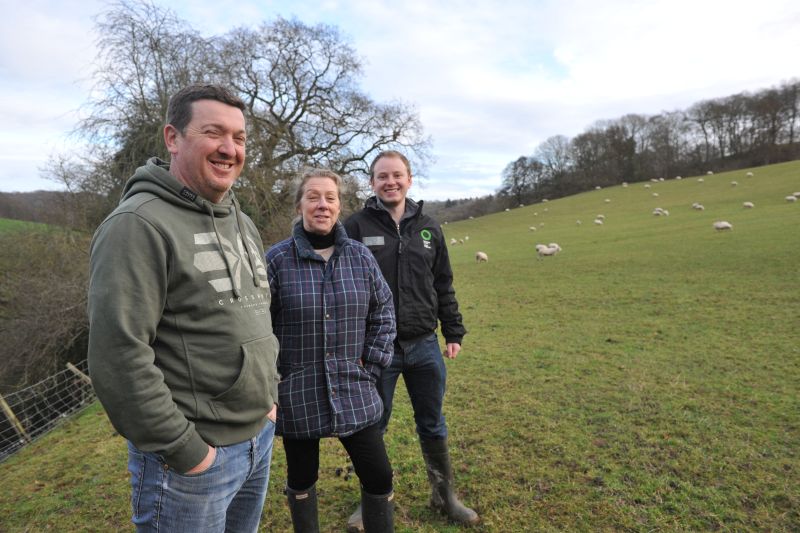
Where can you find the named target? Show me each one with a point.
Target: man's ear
(171, 135)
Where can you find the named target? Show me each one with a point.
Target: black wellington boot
(303, 507)
(377, 511)
(440, 475)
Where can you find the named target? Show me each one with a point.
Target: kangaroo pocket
(252, 394)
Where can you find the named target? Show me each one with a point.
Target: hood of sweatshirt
(154, 178)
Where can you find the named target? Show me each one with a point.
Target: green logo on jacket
(426, 238)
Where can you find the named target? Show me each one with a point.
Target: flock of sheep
(549, 250)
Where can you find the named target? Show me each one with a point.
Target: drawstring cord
(236, 291)
(250, 255)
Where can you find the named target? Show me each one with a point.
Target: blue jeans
(425, 376)
(228, 497)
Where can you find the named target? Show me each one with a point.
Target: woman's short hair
(317, 173)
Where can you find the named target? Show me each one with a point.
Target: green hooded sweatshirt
(181, 350)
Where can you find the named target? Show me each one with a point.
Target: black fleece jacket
(414, 260)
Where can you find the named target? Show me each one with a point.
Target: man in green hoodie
(181, 350)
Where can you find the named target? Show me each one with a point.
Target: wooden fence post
(86, 379)
(13, 419)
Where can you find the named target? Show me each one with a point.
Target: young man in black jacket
(411, 252)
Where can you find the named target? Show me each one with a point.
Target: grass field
(647, 378)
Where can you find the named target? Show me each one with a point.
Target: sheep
(507, 209)
(578, 222)
(710, 173)
(749, 174)
(796, 194)
(655, 195)
(607, 200)
(721, 225)
(748, 205)
(660, 179)
(678, 178)
(698, 206)
(522, 205)
(554, 245)
(601, 217)
(466, 237)
(646, 185)
(471, 218)
(791, 198)
(453, 242)
(660, 212)
(700, 180)
(544, 200)
(532, 228)
(481, 257)
(624, 183)
(598, 221)
(460, 241)
(734, 183)
(543, 250)
(654, 180)
(597, 188)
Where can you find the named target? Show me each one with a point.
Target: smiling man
(181, 350)
(411, 251)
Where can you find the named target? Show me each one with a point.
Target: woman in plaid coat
(333, 315)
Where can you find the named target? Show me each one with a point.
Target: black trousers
(366, 451)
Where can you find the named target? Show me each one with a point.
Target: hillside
(644, 379)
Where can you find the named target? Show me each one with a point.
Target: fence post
(86, 379)
(14, 422)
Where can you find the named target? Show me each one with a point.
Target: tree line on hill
(736, 131)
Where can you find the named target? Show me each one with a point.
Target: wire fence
(31, 412)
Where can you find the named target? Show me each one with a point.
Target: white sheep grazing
(532, 228)
(601, 217)
(624, 183)
(796, 194)
(460, 241)
(721, 225)
(598, 221)
(453, 242)
(655, 195)
(698, 206)
(554, 245)
(481, 257)
(646, 185)
(607, 200)
(660, 179)
(700, 180)
(597, 188)
(543, 250)
(791, 198)
(466, 237)
(748, 205)
(545, 200)
(654, 180)
(507, 209)
(710, 173)
(734, 183)
(749, 174)
(578, 222)
(678, 178)
(658, 212)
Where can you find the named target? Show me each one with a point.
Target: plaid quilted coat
(336, 326)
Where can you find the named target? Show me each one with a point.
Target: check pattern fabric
(335, 324)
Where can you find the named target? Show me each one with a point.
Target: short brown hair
(179, 109)
(389, 153)
(317, 173)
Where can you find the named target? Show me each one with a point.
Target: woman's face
(319, 205)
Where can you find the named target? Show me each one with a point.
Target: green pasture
(646, 378)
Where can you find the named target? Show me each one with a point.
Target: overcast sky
(491, 80)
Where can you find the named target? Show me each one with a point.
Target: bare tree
(300, 84)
